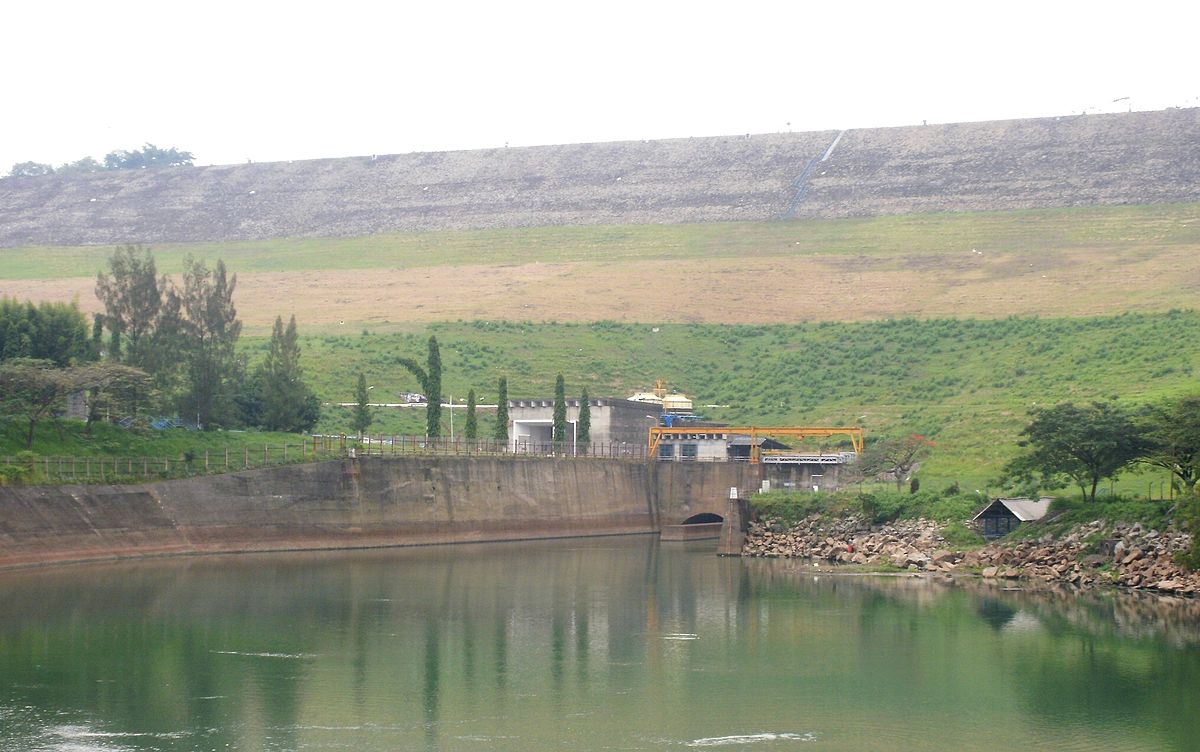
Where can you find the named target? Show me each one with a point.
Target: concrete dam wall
(359, 503)
(1130, 158)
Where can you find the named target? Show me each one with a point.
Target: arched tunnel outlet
(703, 526)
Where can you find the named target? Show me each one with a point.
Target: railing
(36, 469)
(388, 446)
(102, 469)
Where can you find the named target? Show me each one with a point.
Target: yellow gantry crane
(657, 433)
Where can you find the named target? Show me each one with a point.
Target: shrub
(959, 535)
(792, 506)
(887, 506)
(23, 471)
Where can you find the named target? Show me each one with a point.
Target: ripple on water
(293, 656)
(721, 741)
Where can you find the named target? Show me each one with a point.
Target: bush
(792, 506)
(1189, 517)
(958, 535)
(888, 506)
(23, 471)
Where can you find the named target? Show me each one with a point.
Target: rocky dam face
(1133, 158)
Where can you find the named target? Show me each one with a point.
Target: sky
(267, 81)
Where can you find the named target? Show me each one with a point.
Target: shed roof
(1024, 510)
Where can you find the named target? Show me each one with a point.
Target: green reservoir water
(601, 644)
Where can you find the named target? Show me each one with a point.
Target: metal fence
(28, 469)
(387, 446)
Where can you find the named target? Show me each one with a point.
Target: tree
(30, 169)
(31, 390)
(285, 397)
(1081, 444)
(47, 331)
(430, 378)
(502, 410)
(362, 408)
(103, 383)
(209, 332)
(85, 165)
(560, 411)
(132, 295)
(894, 457)
(472, 428)
(148, 157)
(583, 425)
(1173, 432)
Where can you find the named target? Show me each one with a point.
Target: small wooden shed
(1003, 516)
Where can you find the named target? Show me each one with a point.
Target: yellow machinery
(657, 433)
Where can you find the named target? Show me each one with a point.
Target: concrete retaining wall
(683, 489)
(341, 504)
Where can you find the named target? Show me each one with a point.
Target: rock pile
(1090, 555)
(911, 544)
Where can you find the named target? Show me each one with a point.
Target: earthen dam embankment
(357, 503)
(1078, 160)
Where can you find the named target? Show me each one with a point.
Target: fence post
(265, 455)
(206, 461)
(285, 452)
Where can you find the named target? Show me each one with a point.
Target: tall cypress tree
(430, 378)
(472, 422)
(560, 411)
(583, 427)
(502, 411)
(433, 390)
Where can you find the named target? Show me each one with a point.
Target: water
(604, 644)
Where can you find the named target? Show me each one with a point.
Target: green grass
(880, 505)
(966, 384)
(1068, 511)
(1132, 228)
(67, 438)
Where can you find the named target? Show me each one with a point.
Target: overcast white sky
(231, 81)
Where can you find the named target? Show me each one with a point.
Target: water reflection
(583, 644)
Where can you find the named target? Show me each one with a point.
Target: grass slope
(1054, 262)
(968, 384)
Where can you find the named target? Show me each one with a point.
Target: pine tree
(502, 411)
(132, 295)
(472, 422)
(209, 329)
(285, 396)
